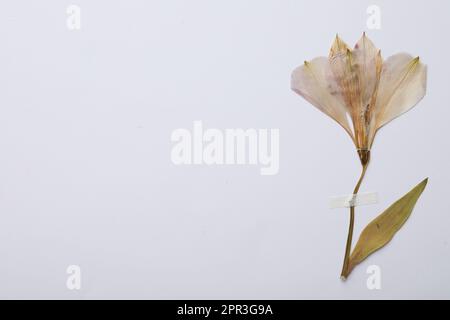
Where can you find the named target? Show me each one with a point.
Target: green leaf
(383, 228)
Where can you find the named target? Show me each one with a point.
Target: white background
(86, 176)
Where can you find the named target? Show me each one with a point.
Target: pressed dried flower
(359, 90)
(362, 92)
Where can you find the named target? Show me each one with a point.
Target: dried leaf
(383, 228)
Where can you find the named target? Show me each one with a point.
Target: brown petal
(314, 82)
(402, 86)
(338, 47)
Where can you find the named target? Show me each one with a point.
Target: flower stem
(345, 268)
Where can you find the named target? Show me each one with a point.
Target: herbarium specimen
(362, 92)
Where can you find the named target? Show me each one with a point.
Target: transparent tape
(353, 200)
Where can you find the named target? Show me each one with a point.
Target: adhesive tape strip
(354, 200)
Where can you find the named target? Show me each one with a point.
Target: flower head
(359, 90)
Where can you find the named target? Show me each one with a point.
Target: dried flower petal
(367, 59)
(402, 86)
(314, 82)
(338, 47)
